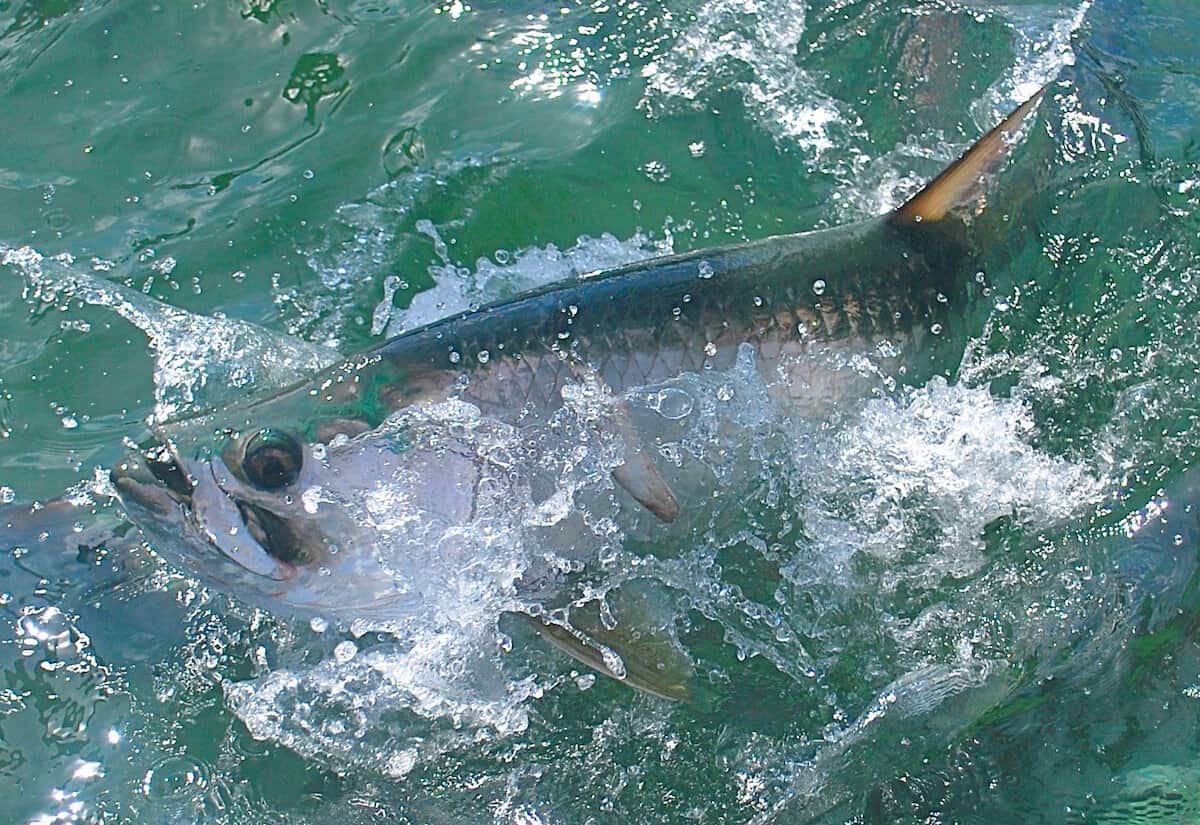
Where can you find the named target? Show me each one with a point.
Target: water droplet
(936, 329)
(671, 403)
(818, 287)
(656, 171)
(484, 356)
(697, 149)
(70, 422)
(310, 499)
(1115, 354)
(318, 624)
(710, 349)
(454, 357)
(345, 651)
(705, 270)
(309, 174)
(613, 662)
(887, 349)
(725, 393)
(7, 495)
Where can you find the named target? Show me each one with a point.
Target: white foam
(926, 472)
(1042, 49)
(457, 289)
(725, 39)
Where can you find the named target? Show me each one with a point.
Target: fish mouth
(156, 483)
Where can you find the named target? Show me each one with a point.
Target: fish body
(651, 321)
(351, 493)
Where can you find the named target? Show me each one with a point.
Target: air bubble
(345, 651)
(671, 403)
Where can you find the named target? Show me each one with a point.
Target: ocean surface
(951, 603)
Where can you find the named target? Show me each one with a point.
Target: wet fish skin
(405, 412)
(651, 321)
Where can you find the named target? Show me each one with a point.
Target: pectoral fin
(633, 640)
(961, 182)
(638, 475)
(618, 659)
(641, 480)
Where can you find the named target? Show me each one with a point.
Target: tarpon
(272, 500)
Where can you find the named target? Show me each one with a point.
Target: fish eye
(272, 460)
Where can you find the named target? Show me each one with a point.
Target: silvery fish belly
(491, 460)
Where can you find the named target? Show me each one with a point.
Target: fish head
(342, 518)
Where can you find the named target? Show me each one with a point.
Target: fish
(276, 500)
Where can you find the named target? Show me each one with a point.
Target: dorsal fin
(961, 182)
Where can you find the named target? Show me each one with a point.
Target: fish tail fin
(961, 185)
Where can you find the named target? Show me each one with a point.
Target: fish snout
(154, 484)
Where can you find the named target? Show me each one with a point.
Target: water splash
(200, 362)
(933, 468)
(458, 288)
(751, 45)
(1041, 50)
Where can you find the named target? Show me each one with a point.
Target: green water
(277, 162)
